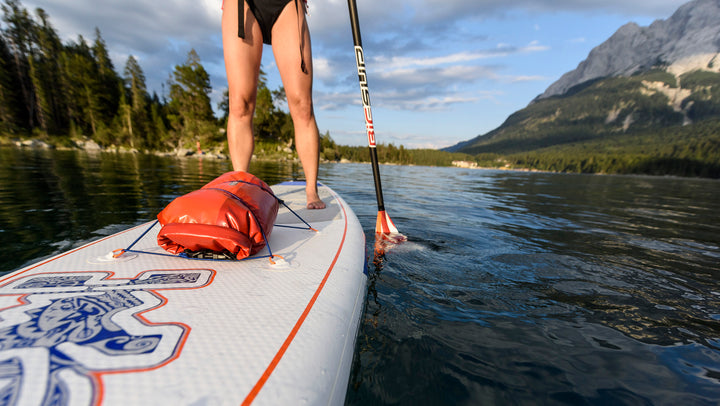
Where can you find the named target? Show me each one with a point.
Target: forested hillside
(69, 93)
(51, 90)
(647, 100)
(648, 123)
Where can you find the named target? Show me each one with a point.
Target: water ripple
(513, 288)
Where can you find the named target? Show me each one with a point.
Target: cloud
(333, 101)
(534, 46)
(389, 63)
(485, 8)
(135, 24)
(437, 77)
(404, 103)
(425, 83)
(423, 55)
(159, 34)
(524, 78)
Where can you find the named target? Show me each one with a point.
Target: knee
(301, 108)
(241, 109)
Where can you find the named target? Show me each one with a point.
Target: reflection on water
(52, 201)
(514, 288)
(529, 288)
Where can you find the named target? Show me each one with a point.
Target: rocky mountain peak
(688, 40)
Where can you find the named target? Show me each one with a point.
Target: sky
(439, 71)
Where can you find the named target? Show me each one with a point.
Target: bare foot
(316, 204)
(313, 199)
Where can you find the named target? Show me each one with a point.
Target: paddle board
(85, 328)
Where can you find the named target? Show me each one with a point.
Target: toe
(315, 205)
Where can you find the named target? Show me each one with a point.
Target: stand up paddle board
(85, 328)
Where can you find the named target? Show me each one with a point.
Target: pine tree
(108, 79)
(190, 89)
(135, 79)
(45, 72)
(19, 32)
(158, 130)
(224, 106)
(263, 123)
(270, 122)
(124, 116)
(83, 89)
(10, 114)
(190, 97)
(41, 100)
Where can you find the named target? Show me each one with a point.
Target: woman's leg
(242, 64)
(286, 37)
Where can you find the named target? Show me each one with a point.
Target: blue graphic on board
(67, 328)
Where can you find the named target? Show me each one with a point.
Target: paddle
(384, 224)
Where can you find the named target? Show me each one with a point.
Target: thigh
(242, 55)
(289, 31)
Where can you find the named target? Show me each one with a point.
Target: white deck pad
(83, 328)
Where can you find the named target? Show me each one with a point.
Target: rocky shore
(92, 146)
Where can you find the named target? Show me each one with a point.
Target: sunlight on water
(513, 288)
(542, 288)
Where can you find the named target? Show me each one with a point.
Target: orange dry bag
(233, 214)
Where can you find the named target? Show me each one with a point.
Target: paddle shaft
(365, 93)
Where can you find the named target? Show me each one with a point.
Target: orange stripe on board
(12, 275)
(283, 348)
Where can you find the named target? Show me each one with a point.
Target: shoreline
(91, 146)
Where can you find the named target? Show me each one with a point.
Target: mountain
(688, 40)
(647, 94)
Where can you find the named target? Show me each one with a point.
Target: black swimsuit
(266, 12)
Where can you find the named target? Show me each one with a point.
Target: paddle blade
(385, 225)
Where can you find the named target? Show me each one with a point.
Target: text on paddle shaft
(362, 76)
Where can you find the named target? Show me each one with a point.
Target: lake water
(513, 287)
